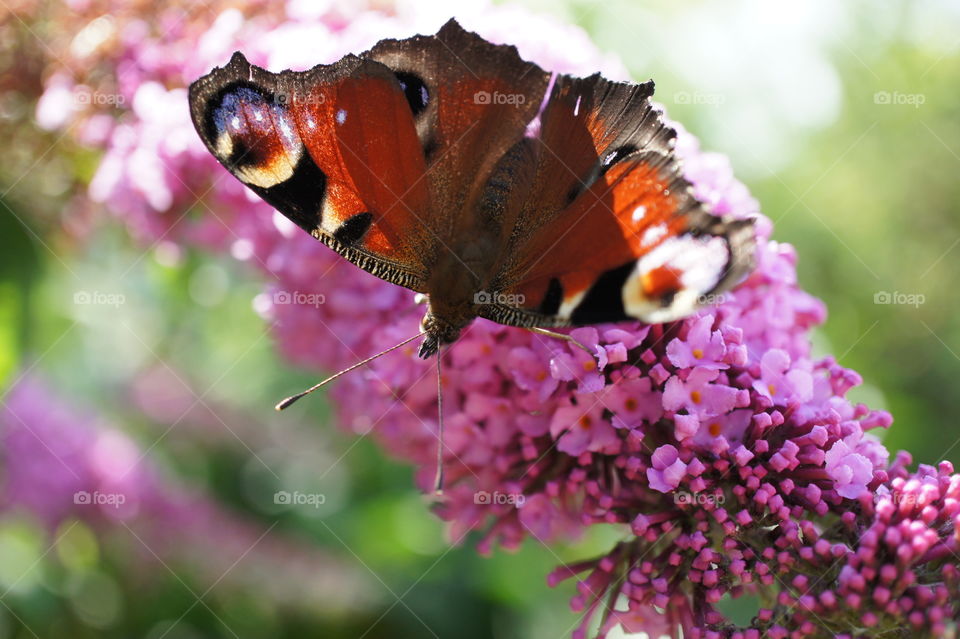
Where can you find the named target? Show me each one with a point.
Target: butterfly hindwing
(610, 229)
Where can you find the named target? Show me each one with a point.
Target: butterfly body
(448, 165)
(451, 294)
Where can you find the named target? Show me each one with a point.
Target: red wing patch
(360, 134)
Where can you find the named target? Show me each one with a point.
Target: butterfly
(451, 166)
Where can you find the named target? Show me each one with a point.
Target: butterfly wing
(392, 156)
(481, 97)
(335, 149)
(609, 229)
(381, 156)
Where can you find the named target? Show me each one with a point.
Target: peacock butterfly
(449, 165)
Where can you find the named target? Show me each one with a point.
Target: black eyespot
(604, 301)
(667, 299)
(615, 156)
(600, 168)
(553, 298)
(415, 90)
(353, 229)
(430, 148)
(301, 197)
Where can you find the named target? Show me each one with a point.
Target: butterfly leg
(438, 480)
(556, 335)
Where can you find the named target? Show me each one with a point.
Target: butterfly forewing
(478, 100)
(334, 149)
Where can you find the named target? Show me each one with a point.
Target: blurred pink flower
(62, 462)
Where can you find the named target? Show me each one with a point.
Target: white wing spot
(653, 235)
(224, 146)
(638, 213)
(341, 116)
(700, 263)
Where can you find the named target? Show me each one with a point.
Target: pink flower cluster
(731, 455)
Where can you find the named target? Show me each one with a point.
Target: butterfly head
(440, 330)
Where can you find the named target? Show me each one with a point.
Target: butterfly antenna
(438, 481)
(290, 400)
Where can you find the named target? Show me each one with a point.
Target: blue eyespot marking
(256, 137)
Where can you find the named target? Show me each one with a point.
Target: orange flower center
(698, 353)
(695, 397)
